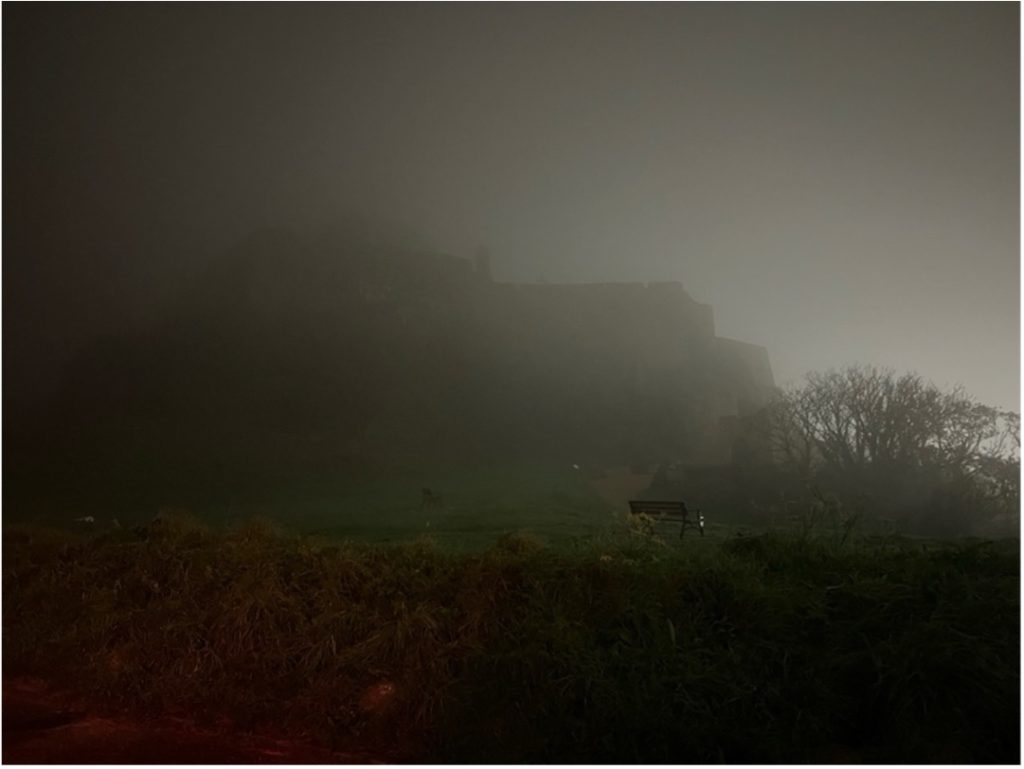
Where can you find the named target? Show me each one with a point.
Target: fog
(249, 246)
(511, 383)
(839, 182)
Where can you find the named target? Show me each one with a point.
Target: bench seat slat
(668, 510)
(667, 507)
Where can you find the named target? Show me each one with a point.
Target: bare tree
(872, 430)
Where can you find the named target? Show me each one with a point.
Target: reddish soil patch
(43, 726)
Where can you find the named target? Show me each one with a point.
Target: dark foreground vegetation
(625, 648)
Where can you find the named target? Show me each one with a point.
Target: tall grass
(622, 649)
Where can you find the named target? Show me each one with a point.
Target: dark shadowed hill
(292, 358)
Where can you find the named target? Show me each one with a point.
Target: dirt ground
(43, 726)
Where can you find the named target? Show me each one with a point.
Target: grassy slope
(480, 504)
(621, 649)
(555, 504)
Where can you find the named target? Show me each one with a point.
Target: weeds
(622, 649)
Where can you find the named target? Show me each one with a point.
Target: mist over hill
(296, 357)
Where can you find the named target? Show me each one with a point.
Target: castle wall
(648, 343)
(637, 363)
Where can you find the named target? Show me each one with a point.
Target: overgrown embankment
(624, 650)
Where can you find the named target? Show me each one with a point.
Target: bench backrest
(665, 509)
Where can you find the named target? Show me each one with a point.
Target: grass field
(615, 646)
(559, 505)
(556, 504)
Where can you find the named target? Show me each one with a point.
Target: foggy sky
(841, 182)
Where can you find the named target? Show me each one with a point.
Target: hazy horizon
(840, 182)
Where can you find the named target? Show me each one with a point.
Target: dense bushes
(623, 650)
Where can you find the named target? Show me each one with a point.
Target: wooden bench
(668, 511)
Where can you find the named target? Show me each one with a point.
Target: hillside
(290, 359)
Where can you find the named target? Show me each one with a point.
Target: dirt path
(40, 726)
